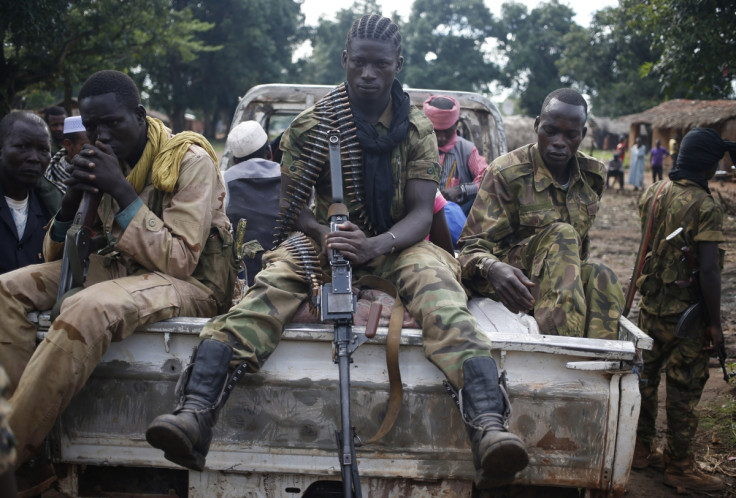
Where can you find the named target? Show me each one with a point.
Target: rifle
(337, 303)
(696, 311)
(79, 244)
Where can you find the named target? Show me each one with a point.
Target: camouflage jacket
(416, 158)
(682, 203)
(518, 198)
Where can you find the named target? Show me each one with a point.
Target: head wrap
(246, 138)
(442, 119)
(699, 151)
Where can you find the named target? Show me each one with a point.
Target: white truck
(575, 401)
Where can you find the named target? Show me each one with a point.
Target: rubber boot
(645, 455)
(497, 453)
(185, 435)
(686, 477)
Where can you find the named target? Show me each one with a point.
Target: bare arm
(439, 234)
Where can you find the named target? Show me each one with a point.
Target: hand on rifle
(351, 242)
(96, 170)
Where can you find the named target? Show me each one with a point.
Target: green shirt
(415, 158)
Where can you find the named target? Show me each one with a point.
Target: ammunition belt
(310, 270)
(333, 113)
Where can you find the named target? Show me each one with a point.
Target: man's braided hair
(375, 27)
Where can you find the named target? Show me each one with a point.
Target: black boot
(185, 435)
(497, 453)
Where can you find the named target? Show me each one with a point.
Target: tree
(696, 43)
(606, 59)
(323, 66)
(255, 40)
(532, 43)
(445, 45)
(56, 43)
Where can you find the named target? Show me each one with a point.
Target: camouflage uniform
(523, 217)
(149, 279)
(7, 440)
(427, 278)
(681, 204)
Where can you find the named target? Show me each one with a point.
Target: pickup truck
(575, 401)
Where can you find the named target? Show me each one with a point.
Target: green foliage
(532, 43)
(324, 66)
(721, 420)
(57, 44)
(696, 43)
(606, 60)
(445, 46)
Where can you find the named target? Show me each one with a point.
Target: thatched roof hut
(676, 117)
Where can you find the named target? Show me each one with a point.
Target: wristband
(484, 266)
(393, 246)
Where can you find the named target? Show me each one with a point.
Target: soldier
(164, 217)
(392, 145)
(526, 240)
(684, 201)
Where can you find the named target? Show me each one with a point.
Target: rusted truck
(575, 401)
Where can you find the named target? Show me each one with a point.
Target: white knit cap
(246, 138)
(73, 124)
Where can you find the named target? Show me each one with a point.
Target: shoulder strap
(392, 354)
(643, 247)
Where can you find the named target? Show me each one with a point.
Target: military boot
(646, 455)
(185, 435)
(497, 453)
(685, 476)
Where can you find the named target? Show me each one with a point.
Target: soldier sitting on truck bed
(526, 241)
(164, 216)
(392, 147)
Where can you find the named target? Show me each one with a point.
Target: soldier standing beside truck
(684, 201)
(526, 241)
(391, 174)
(163, 219)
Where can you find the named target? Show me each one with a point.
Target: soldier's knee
(563, 232)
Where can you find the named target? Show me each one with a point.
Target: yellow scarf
(164, 154)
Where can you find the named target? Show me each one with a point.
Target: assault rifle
(79, 244)
(697, 311)
(337, 304)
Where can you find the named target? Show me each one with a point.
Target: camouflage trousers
(686, 373)
(572, 297)
(109, 308)
(427, 280)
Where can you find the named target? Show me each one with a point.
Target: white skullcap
(246, 138)
(73, 124)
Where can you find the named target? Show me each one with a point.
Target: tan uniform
(150, 278)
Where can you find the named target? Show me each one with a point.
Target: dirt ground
(615, 240)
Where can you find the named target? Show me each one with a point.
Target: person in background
(28, 200)
(615, 171)
(384, 237)
(657, 154)
(526, 241)
(75, 137)
(253, 186)
(684, 201)
(621, 149)
(674, 147)
(54, 117)
(636, 172)
(461, 164)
